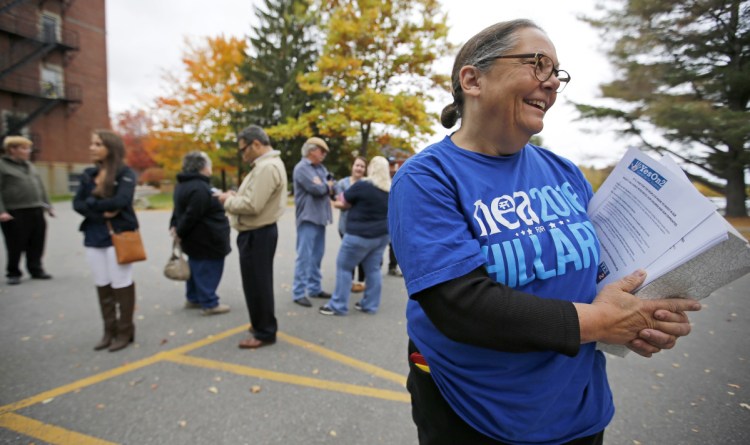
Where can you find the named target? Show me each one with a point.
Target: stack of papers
(648, 215)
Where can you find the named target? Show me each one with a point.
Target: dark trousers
(438, 424)
(257, 249)
(25, 233)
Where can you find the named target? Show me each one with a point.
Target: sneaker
(14, 280)
(191, 305)
(358, 286)
(395, 271)
(325, 310)
(304, 302)
(321, 294)
(219, 309)
(358, 306)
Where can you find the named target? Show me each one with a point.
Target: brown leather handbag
(128, 245)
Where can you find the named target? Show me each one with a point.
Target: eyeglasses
(243, 147)
(544, 67)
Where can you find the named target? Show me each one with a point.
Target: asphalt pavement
(327, 380)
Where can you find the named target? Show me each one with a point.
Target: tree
(134, 128)
(282, 47)
(196, 112)
(683, 87)
(376, 71)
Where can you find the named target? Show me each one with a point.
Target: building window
(50, 30)
(52, 81)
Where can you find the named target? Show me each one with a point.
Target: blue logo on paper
(602, 272)
(656, 180)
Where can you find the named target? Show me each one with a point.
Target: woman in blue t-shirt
(359, 168)
(500, 261)
(365, 239)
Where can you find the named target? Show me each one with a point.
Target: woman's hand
(646, 326)
(111, 214)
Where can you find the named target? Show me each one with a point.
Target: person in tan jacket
(253, 211)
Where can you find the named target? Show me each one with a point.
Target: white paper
(641, 211)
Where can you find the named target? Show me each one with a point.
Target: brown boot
(109, 315)
(125, 298)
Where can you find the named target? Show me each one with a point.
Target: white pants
(105, 269)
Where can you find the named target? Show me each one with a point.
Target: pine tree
(281, 48)
(683, 83)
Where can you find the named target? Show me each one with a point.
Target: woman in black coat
(200, 226)
(105, 194)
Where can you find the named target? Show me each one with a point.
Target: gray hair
(195, 161)
(254, 133)
(495, 40)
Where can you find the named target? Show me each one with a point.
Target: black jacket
(94, 227)
(199, 218)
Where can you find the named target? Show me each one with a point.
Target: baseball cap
(318, 142)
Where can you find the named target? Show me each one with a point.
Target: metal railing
(32, 30)
(41, 89)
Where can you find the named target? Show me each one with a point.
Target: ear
(469, 80)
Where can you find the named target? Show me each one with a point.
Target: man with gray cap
(254, 211)
(313, 187)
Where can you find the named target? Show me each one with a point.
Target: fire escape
(32, 42)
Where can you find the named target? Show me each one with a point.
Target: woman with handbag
(200, 226)
(105, 199)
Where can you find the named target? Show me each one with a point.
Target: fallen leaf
(315, 371)
(189, 331)
(332, 433)
(745, 405)
(675, 365)
(182, 423)
(172, 333)
(46, 401)
(733, 385)
(163, 341)
(25, 338)
(217, 378)
(255, 389)
(48, 337)
(154, 386)
(213, 389)
(100, 406)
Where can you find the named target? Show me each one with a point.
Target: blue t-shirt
(522, 217)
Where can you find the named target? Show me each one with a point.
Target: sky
(146, 38)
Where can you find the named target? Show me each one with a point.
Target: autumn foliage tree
(375, 72)
(682, 85)
(196, 112)
(134, 127)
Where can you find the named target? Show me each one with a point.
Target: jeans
(311, 243)
(205, 275)
(354, 250)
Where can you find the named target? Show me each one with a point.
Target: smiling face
(358, 168)
(508, 102)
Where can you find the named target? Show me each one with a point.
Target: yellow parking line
(290, 378)
(88, 381)
(344, 359)
(46, 432)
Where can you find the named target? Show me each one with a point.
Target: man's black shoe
(41, 276)
(14, 280)
(321, 294)
(303, 302)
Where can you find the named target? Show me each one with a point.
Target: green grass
(61, 198)
(160, 201)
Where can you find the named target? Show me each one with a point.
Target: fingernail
(646, 334)
(640, 273)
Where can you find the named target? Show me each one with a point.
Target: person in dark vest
(23, 201)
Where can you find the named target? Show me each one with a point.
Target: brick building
(53, 81)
